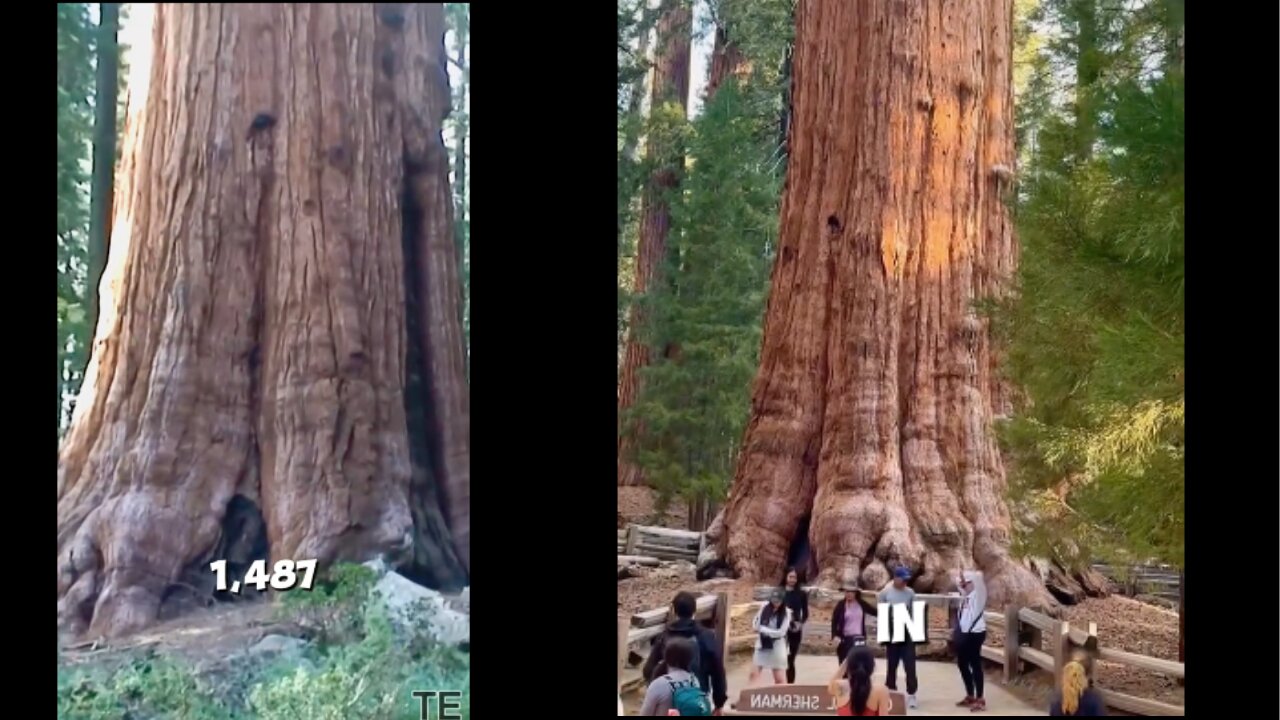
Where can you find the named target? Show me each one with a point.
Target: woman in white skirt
(771, 625)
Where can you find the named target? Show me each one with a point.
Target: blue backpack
(688, 700)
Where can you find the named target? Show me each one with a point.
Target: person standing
(771, 625)
(849, 621)
(797, 601)
(970, 633)
(899, 594)
(708, 665)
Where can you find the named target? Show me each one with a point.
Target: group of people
(852, 681)
(686, 673)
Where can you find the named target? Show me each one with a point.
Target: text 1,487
(285, 577)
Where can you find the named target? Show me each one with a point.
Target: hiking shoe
(966, 702)
(911, 702)
(978, 705)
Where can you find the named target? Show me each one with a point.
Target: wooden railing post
(722, 623)
(1011, 633)
(1061, 650)
(624, 628)
(633, 537)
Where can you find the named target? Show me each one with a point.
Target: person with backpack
(771, 625)
(707, 665)
(849, 621)
(1077, 696)
(677, 689)
(968, 636)
(798, 600)
(857, 694)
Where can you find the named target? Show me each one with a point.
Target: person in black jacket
(798, 600)
(708, 666)
(849, 621)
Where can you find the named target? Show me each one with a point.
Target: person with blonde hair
(1075, 696)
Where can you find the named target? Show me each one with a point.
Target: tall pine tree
(1096, 334)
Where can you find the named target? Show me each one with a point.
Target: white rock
(411, 606)
(273, 644)
(378, 566)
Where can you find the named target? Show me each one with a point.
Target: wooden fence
(1159, 580)
(661, 543)
(637, 631)
(1031, 639)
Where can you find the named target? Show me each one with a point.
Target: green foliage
(76, 35)
(694, 399)
(703, 318)
(763, 31)
(150, 687)
(366, 675)
(373, 678)
(1096, 334)
(77, 48)
(334, 608)
(458, 17)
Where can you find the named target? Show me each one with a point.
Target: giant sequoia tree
(278, 370)
(870, 439)
(669, 103)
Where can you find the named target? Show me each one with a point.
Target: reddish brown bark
(670, 87)
(282, 216)
(726, 61)
(872, 410)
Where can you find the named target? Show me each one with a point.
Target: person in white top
(771, 625)
(969, 634)
(620, 711)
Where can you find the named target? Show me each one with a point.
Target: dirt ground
(198, 639)
(636, 505)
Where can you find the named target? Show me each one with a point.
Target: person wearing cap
(898, 593)
(970, 633)
(771, 625)
(849, 621)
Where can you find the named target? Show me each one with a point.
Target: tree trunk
(279, 325)
(462, 35)
(104, 153)
(784, 122)
(726, 61)
(1085, 14)
(632, 138)
(670, 85)
(872, 408)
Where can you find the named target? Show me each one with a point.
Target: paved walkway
(940, 686)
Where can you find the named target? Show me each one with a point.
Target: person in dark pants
(970, 633)
(849, 621)
(798, 600)
(708, 665)
(900, 652)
